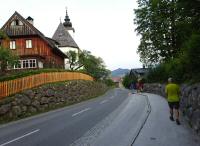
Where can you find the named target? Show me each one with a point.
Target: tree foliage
(170, 36)
(7, 58)
(73, 60)
(156, 23)
(91, 64)
(128, 80)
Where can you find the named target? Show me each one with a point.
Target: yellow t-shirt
(172, 91)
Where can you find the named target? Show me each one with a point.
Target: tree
(94, 66)
(128, 80)
(91, 64)
(170, 36)
(7, 58)
(72, 60)
(156, 23)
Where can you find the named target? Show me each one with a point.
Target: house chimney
(30, 20)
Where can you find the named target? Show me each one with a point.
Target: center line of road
(18, 138)
(104, 101)
(81, 112)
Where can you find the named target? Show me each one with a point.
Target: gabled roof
(116, 79)
(140, 71)
(55, 49)
(26, 29)
(21, 30)
(63, 37)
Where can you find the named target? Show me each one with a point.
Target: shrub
(109, 82)
(128, 80)
(193, 53)
(173, 68)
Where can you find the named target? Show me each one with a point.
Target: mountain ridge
(119, 72)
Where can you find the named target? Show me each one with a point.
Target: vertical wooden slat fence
(13, 86)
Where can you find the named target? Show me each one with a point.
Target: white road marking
(104, 101)
(18, 138)
(81, 112)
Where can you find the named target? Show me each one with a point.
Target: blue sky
(104, 27)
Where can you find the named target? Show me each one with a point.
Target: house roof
(63, 37)
(27, 29)
(140, 71)
(56, 50)
(21, 30)
(116, 79)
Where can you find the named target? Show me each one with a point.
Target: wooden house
(33, 48)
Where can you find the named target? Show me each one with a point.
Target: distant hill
(119, 72)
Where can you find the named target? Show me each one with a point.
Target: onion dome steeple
(67, 22)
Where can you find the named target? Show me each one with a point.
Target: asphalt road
(69, 125)
(117, 118)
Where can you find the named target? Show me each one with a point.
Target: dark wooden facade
(43, 50)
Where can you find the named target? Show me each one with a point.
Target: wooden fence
(13, 86)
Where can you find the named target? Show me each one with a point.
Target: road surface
(117, 118)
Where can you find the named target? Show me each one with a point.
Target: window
(25, 64)
(28, 43)
(32, 63)
(16, 23)
(12, 45)
(28, 63)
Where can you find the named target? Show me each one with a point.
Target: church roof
(64, 38)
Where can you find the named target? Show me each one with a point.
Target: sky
(103, 27)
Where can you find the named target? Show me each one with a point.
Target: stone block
(36, 104)
(16, 110)
(4, 109)
(25, 100)
(44, 100)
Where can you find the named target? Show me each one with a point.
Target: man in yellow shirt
(173, 97)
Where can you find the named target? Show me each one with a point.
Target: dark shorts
(173, 105)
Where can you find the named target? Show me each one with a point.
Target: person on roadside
(172, 91)
(139, 85)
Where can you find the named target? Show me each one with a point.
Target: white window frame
(12, 44)
(26, 63)
(29, 44)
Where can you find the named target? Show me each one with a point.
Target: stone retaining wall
(48, 97)
(189, 104)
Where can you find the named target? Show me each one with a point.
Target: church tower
(64, 35)
(68, 25)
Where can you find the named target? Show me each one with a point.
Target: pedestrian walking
(139, 85)
(172, 91)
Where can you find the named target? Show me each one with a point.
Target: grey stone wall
(48, 97)
(189, 104)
